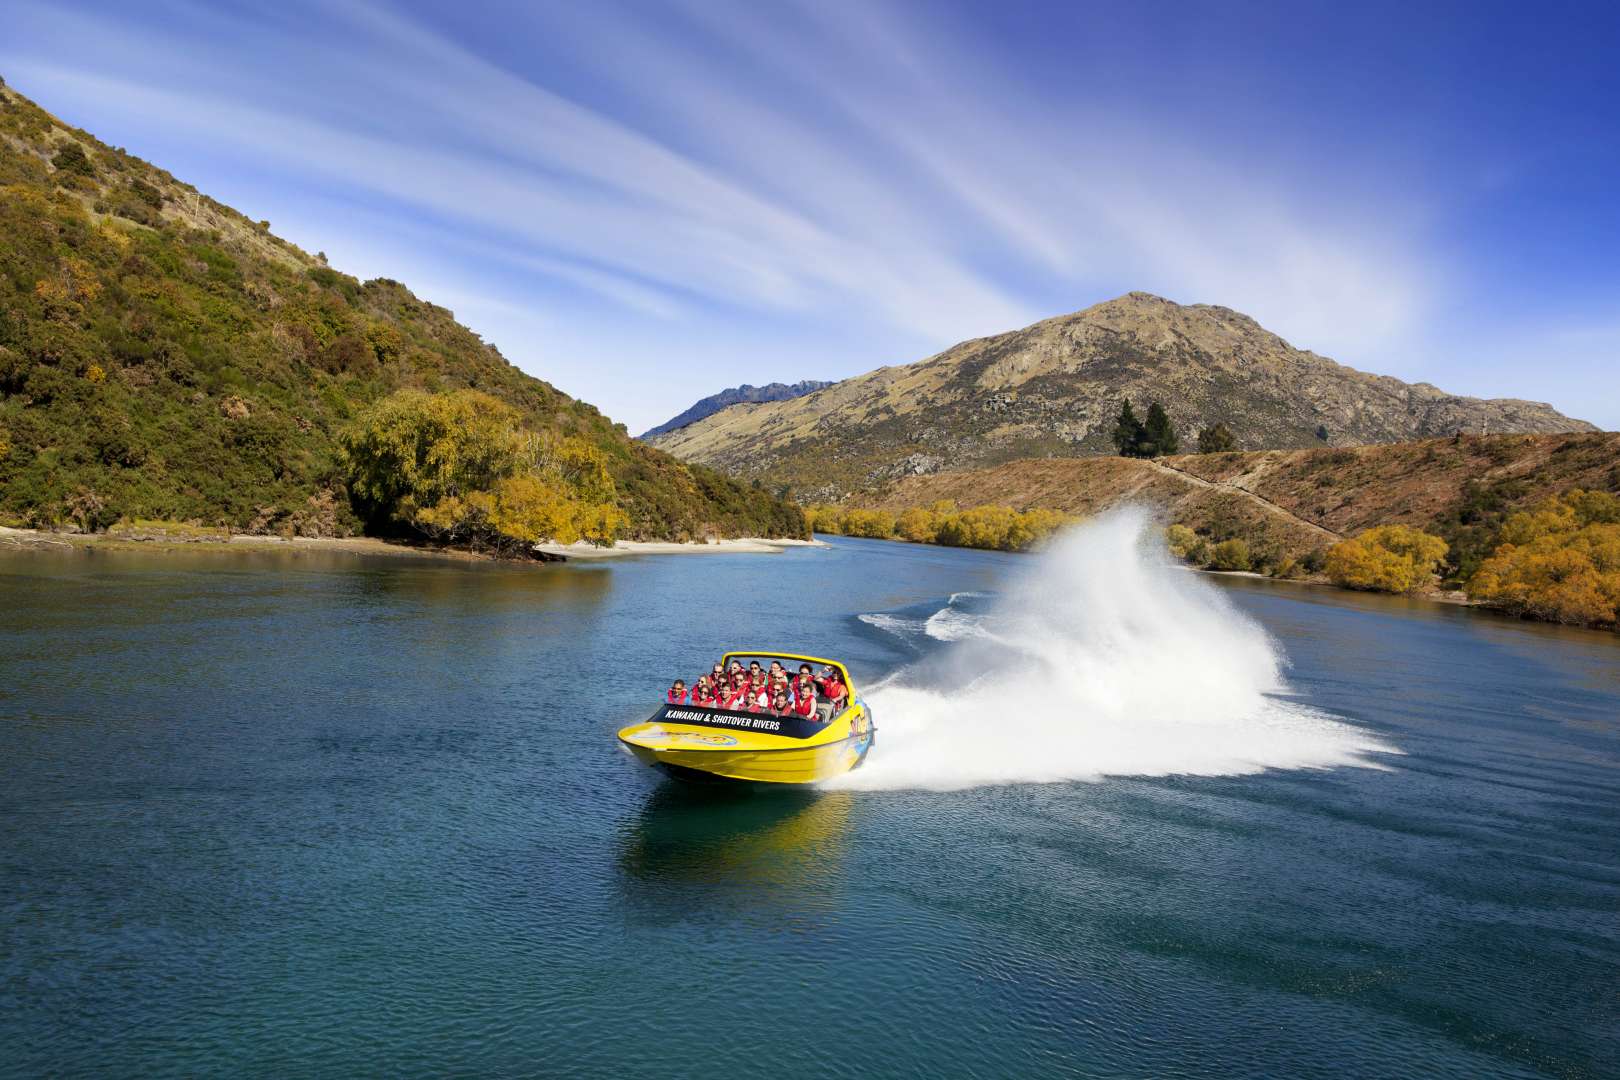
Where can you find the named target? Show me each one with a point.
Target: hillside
(163, 356)
(737, 395)
(1289, 503)
(1054, 390)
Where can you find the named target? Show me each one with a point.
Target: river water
(309, 814)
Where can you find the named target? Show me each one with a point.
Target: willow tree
(460, 467)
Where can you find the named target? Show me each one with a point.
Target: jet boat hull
(703, 745)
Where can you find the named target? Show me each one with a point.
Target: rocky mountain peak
(1053, 389)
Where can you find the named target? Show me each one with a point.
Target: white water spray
(1105, 659)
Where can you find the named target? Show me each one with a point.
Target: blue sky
(644, 203)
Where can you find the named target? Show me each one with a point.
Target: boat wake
(1104, 659)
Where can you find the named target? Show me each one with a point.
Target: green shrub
(72, 159)
(1229, 555)
(1216, 439)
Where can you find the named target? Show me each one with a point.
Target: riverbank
(188, 539)
(741, 545)
(1435, 593)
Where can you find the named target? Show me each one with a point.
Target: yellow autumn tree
(1389, 558)
(823, 518)
(873, 524)
(994, 527)
(1559, 561)
(460, 468)
(918, 525)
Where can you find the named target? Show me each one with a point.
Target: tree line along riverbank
(1525, 524)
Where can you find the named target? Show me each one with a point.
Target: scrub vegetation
(165, 359)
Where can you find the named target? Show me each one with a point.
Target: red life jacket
(675, 698)
(833, 689)
(805, 707)
(759, 701)
(804, 688)
(703, 700)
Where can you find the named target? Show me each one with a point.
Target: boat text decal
(758, 723)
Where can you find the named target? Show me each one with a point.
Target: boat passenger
(703, 693)
(718, 674)
(777, 669)
(754, 669)
(732, 697)
(677, 693)
(804, 687)
(759, 695)
(781, 705)
(806, 707)
(833, 693)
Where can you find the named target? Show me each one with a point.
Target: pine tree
(1160, 433)
(1128, 432)
(1216, 438)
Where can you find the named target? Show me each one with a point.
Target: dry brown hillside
(1054, 390)
(1292, 502)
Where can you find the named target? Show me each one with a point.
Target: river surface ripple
(324, 815)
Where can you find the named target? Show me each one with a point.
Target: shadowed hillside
(163, 356)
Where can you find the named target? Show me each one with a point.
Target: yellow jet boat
(690, 742)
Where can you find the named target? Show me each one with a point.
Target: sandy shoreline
(752, 545)
(39, 540)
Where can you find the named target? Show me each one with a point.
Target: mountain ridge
(736, 395)
(1054, 388)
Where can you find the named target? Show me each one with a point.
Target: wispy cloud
(839, 171)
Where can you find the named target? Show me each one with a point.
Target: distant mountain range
(164, 356)
(1054, 389)
(735, 396)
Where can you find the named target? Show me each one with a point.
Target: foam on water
(949, 624)
(894, 624)
(1105, 659)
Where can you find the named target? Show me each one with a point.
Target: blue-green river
(317, 814)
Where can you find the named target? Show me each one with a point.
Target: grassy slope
(163, 356)
(1457, 488)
